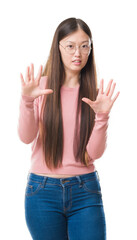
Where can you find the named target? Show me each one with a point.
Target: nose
(77, 52)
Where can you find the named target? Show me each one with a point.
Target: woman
(65, 117)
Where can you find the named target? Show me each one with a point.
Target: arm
(102, 107)
(97, 141)
(28, 119)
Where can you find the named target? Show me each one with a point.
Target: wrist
(102, 115)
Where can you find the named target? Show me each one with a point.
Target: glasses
(71, 48)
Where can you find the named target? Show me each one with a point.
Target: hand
(103, 103)
(30, 87)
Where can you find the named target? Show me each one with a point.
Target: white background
(26, 29)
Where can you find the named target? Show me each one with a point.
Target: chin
(76, 69)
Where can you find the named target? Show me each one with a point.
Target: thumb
(46, 91)
(88, 101)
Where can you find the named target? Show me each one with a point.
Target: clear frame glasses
(71, 48)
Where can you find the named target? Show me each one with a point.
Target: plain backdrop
(27, 29)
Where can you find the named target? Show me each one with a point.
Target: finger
(88, 101)
(32, 72)
(108, 87)
(101, 86)
(46, 91)
(22, 79)
(39, 73)
(27, 75)
(112, 90)
(114, 99)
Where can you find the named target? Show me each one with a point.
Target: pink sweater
(28, 130)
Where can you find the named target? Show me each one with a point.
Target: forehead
(79, 36)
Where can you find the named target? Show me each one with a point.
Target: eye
(85, 46)
(70, 46)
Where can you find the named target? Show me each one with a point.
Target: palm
(30, 87)
(103, 102)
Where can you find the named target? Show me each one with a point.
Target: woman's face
(78, 38)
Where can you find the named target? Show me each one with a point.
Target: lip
(76, 60)
(77, 63)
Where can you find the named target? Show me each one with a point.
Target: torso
(55, 176)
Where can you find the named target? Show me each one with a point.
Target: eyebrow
(81, 42)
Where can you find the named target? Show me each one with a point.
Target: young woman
(65, 117)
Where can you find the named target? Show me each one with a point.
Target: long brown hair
(51, 127)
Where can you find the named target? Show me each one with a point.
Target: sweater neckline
(70, 88)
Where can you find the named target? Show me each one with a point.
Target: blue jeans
(65, 208)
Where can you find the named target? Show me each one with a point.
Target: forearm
(28, 119)
(97, 141)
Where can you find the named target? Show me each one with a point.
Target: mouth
(77, 62)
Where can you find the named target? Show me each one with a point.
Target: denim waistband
(78, 178)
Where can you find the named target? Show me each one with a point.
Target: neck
(72, 79)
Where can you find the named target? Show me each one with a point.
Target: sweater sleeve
(28, 119)
(97, 141)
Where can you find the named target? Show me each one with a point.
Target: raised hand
(30, 87)
(103, 103)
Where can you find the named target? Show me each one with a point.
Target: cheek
(84, 61)
(66, 60)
